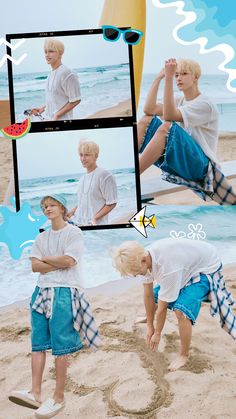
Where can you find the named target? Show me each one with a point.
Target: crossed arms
(52, 263)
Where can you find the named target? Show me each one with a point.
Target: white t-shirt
(201, 120)
(96, 189)
(62, 87)
(176, 261)
(67, 241)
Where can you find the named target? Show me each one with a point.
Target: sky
(79, 53)
(35, 154)
(79, 14)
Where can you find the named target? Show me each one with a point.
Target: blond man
(97, 192)
(187, 272)
(59, 310)
(183, 145)
(62, 86)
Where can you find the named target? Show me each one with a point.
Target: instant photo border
(131, 150)
(77, 124)
(86, 123)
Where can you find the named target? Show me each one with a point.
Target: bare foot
(140, 320)
(178, 363)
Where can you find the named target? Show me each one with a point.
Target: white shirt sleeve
(196, 113)
(36, 251)
(109, 189)
(74, 245)
(171, 285)
(71, 87)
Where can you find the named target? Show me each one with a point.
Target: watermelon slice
(16, 131)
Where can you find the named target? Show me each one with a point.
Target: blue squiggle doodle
(19, 229)
(209, 23)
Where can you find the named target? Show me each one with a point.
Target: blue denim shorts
(190, 298)
(56, 333)
(183, 156)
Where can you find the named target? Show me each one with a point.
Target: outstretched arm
(149, 304)
(151, 106)
(160, 321)
(170, 111)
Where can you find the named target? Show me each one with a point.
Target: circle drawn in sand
(116, 401)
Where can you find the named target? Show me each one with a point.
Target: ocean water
(32, 191)
(17, 281)
(101, 87)
(107, 86)
(213, 86)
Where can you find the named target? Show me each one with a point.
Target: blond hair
(87, 146)
(190, 66)
(54, 45)
(128, 257)
(46, 199)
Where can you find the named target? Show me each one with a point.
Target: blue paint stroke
(19, 229)
(209, 23)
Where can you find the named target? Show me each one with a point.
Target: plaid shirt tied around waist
(220, 300)
(214, 186)
(83, 320)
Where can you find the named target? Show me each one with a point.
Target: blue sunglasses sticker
(130, 36)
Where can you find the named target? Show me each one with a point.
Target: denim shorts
(190, 298)
(56, 333)
(183, 156)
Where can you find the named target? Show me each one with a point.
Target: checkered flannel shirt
(220, 300)
(83, 320)
(214, 186)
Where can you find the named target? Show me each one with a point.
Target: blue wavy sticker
(19, 229)
(209, 23)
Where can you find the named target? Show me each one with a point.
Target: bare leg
(142, 127)
(155, 148)
(61, 363)
(38, 360)
(185, 332)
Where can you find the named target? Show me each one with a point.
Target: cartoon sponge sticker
(16, 131)
(19, 229)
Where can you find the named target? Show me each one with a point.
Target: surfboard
(128, 13)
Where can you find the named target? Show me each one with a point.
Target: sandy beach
(124, 378)
(122, 109)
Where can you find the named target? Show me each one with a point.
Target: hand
(150, 331)
(154, 342)
(161, 74)
(94, 222)
(55, 117)
(170, 67)
(70, 214)
(36, 111)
